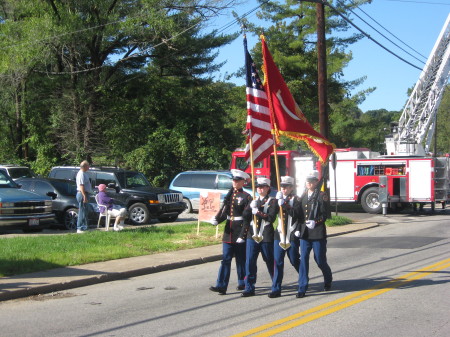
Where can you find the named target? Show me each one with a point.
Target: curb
(106, 277)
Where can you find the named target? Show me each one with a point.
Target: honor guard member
(233, 240)
(288, 236)
(260, 234)
(313, 234)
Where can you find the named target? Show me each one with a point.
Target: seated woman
(113, 210)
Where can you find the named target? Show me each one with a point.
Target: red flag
(258, 115)
(287, 118)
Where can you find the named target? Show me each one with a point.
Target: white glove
(310, 224)
(253, 204)
(297, 234)
(279, 195)
(280, 202)
(254, 210)
(214, 221)
(239, 240)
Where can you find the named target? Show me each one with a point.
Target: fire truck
(408, 174)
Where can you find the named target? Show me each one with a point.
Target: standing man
(260, 235)
(287, 236)
(234, 234)
(313, 234)
(84, 188)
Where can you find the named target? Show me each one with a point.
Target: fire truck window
(242, 164)
(281, 165)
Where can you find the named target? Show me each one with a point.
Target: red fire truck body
(365, 177)
(375, 180)
(266, 167)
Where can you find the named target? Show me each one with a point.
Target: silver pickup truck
(21, 209)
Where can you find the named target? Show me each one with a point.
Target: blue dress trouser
(228, 251)
(320, 256)
(82, 221)
(279, 254)
(251, 268)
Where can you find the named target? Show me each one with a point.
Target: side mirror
(52, 194)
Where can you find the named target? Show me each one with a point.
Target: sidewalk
(72, 277)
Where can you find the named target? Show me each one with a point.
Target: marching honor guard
(287, 233)
(264, 210)
(313, 234)
(235, 233)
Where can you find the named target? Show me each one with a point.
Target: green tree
(99, 66)
(443, 124)
(292, 41)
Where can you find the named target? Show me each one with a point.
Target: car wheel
(370, 201)
(169, 219)
(70, 218)
(188, 206)
(138, 214)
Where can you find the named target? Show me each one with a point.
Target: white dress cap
(286, 180)
(238, 174)
(262, 182)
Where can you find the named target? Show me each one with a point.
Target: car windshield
(20, 172)
(132, 179)
(68, 188)
(6, 182)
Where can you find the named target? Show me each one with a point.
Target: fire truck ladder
(418, 119)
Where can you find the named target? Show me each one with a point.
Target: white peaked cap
(262, 182)
(286, 180)
(238, 174)
(313, 175)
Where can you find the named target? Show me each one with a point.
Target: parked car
(21, 209)
(193, 183)
(17, 171)
(130, 188)
(63, 192)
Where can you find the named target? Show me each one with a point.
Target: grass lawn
(27, 254)
(41, 252)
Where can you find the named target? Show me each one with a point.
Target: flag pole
(283, 244)
(255, 236)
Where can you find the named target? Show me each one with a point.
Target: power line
(368, 36)
(379, 24)
(348, 8)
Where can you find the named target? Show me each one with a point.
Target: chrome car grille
(170, 198)
(26, 207)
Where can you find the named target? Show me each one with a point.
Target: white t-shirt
(83, 179)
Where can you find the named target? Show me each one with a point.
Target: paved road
(389, 280)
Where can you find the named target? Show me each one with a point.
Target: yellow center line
(325, 309)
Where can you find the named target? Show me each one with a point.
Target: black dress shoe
(247, 294)
(221, 291)
(300, 295)
(274, 294)
(327, 287)
(240, 288)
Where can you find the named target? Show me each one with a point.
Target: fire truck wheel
(370, 201)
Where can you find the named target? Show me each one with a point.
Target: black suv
(131, 189)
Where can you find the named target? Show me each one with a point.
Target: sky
(415, 22)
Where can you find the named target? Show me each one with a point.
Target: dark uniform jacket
(295, 211)
(315, 208)
(233, 207)
(269, 217)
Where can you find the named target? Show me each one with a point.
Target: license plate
(33, 222)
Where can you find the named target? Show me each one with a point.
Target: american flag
(258, 114)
